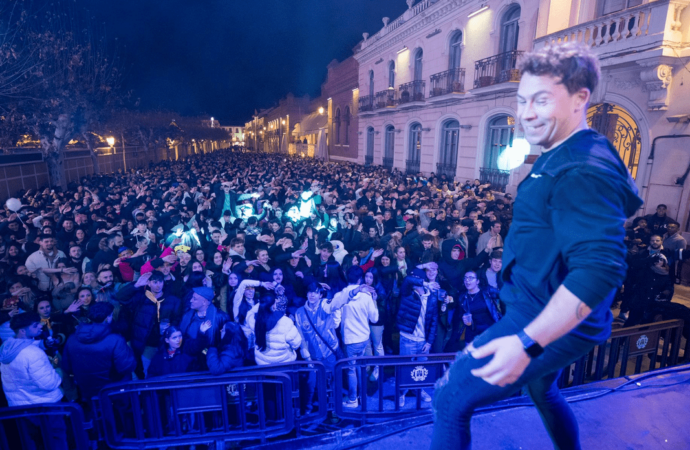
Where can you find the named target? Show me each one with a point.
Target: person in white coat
(276, 335)
(28, 377)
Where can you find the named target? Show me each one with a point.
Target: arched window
(371, 84)
(510, 30)
(499, 137)
(389, 150)
(418, 65)
(455, 51)
(336, 123)
(415, 148)
(391, 74)
(369, 157)
(450, 137)
(621, 129)
(346, 121)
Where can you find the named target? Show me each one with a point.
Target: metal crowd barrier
(56, 426)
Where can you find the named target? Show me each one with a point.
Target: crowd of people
(233, 259)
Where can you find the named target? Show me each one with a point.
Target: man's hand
(426, 348)
(141, 282)
(170, 259)
(204, 327)
(508, 363)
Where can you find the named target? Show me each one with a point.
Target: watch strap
(532, 348)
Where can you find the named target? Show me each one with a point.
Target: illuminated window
(499, 137)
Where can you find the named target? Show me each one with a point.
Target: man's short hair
(673, 222)
(661, 205)
(157, 276)
(236, 241)
(21, 321)
(100, 311)
(427, 237)
(103, 270)
(575, 65)
(354, 274)
(496, 254)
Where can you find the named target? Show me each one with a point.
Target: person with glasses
(479, 309)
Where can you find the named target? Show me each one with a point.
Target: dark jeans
(459, 392)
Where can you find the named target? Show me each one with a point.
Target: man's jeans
(354, 350)
(459, 392)
(410, 347)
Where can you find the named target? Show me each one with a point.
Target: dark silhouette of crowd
(233, 259)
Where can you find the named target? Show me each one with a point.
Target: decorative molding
(433, 33)
(625, 85)
(657, 81)
(379, 61)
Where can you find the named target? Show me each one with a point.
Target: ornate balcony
(411, 93)
(366, 104)
(497, 178)
(388, 163)
(449, 82)
(385, 99)
(412, 166)
(497, 69)
(446, 169)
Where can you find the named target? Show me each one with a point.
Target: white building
(236, 134)
(437, 87)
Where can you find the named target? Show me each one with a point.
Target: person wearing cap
(95, 356)
(151, 310)
(202, 324)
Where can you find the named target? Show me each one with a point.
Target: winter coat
(194, 347)
(411, 308)
(281, 343)
(96, 357)
(453, 270)
(28, 376)
(164, 364)
(230, 353)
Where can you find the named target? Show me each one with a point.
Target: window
(336, 123)
(371, 84)
(389, 150)
(391, 74)
(455, 51)
(418, 65)
(611, 6)
(450, 135)
(510, 30)
(618, 125)
(415, 148)
(369, 157)
(500, 137)
(346, 121)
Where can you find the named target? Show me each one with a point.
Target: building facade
(341, 91)
(236, 133)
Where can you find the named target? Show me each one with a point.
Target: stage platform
(647, 411)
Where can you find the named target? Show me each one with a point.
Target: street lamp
(321, 110)
(110, 140)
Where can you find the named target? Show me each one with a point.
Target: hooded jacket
(27, 375)
(96, 357)
(453, 270)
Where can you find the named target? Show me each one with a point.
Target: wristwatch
(532, 348)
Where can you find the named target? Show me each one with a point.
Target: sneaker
(401, 400)
(351, 403)
(374, 374)
(425, 397)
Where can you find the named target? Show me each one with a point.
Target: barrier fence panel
(412, 373)
(58, 426)
(178, 411)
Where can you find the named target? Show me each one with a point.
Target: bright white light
(321, 110)
(482, 9)
(514, 156)
(110, 140)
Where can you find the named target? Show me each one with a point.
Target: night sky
(224, 58)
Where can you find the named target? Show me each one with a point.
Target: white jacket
(281, 343)
(27, 375)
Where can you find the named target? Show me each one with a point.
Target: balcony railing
(412, 166)
(449, 82)
(497, 69)
(366, 103)
(385, 99)
(497, 178)
(446, 169)
(411, 92)
(388, 163)
(368, 160)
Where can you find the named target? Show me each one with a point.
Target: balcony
(412, 166)
(411, 94)
(366, 105)
(385, 99)
(388, 163)
(497, 178)
(446, 169)
(497, 70)
(448, 84)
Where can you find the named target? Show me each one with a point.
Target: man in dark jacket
(148, 305)
(417, 318)
(201, 325)
(95, 356)
(230, 352)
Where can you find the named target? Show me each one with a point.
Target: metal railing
(497, 178)
(449, 82)
(368, 160)
(446, 169)
(56, 426)
(497, 69)
(625, 343)
(387, 162)
(385, 99)
(366, 103)
(411, 92)
(412, 166)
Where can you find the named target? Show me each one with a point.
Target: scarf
(151, 296)
(46, 322)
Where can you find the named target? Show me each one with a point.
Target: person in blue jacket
(563, 260)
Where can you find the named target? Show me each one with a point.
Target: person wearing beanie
(201, 326)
